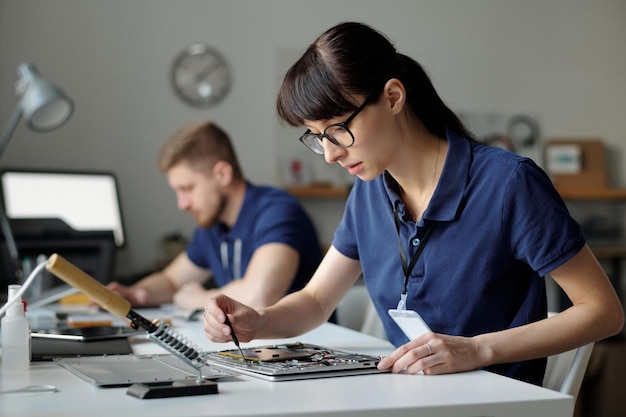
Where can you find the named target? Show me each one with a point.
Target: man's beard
(215, 219)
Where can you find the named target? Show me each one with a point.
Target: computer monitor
(84, 200)
(76, 214)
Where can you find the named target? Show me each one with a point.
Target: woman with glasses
(458, 232)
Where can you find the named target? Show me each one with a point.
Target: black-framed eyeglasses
(338, 133)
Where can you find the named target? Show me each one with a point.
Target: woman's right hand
(245, 321)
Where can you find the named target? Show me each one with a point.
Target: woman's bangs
(312, 94)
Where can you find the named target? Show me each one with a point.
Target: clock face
(201, 76)
(523, 130)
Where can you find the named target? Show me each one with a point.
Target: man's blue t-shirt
(268, 215)
(499, 227)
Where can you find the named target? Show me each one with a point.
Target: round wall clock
(201, 76)
(523, 130)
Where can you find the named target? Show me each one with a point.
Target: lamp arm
(16, 267)
(8, 132)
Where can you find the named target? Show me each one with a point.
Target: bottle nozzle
(18, 307)
(13, 290)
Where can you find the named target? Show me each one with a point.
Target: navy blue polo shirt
(499, 227)
(268, 215)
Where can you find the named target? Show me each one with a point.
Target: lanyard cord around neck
(407, 268)
(235, 271)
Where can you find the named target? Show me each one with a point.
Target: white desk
(468, 394)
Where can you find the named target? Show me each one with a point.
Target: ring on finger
(430, 350)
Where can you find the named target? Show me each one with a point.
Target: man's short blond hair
(200, 145)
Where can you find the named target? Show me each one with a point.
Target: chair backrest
(352, 308)
(356, 311)
(565, 371)
(373, 325)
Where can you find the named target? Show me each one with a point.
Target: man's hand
(191, 296)
(138, 297)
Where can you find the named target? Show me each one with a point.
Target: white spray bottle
(16, 353)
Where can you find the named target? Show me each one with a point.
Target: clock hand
(208, 70)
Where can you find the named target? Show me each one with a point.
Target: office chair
(565, 371)
(356, 311)
(372, 324)
(352, 307)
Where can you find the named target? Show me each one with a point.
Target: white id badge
(410, 322)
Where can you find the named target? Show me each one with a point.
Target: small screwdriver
(234, 337)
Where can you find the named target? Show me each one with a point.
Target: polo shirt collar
(448, 195)
(242, 222)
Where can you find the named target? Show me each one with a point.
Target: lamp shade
(45, 107)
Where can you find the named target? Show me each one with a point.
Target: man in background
(255, 242)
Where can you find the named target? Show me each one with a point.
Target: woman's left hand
(434, 354)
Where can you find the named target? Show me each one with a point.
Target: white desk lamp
(44, 107)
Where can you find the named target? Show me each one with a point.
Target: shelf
(330, 191)
(593, 193)
(319, 191)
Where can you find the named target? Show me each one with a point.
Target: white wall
(562, 60)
